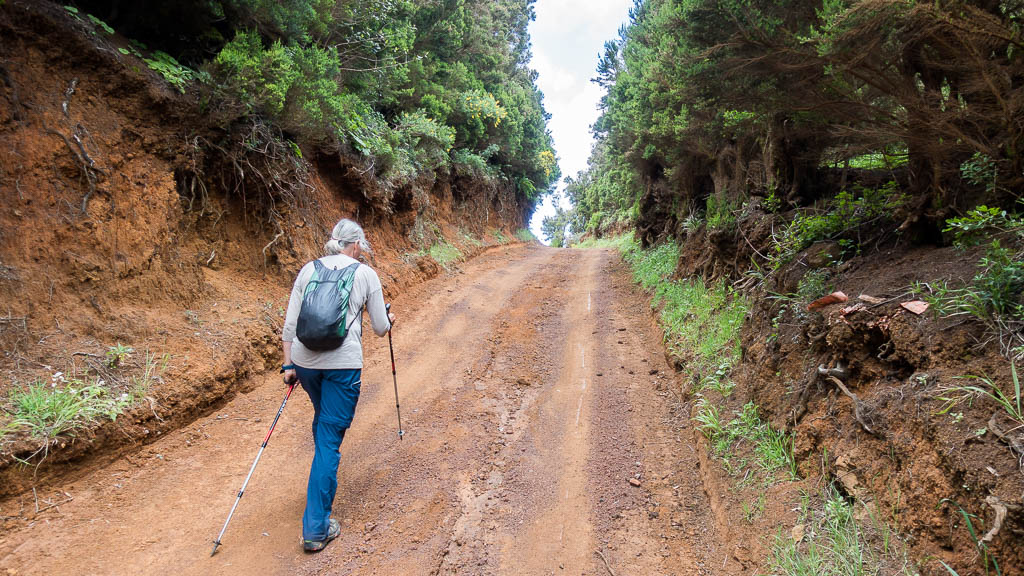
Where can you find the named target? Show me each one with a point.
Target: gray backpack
(322, 319)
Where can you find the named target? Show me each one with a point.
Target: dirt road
(534, 388)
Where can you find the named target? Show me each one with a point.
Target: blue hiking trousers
(334, 394)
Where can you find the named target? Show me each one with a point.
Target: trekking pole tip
(216, 543)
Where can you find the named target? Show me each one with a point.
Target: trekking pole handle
(387, 310)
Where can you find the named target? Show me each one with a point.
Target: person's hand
(391, 318)
(290, 377)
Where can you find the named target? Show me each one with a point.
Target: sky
(568, 36)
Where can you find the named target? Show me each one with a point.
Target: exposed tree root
(1016, 446)
(858, 408)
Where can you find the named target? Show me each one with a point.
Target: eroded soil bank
(131, 220)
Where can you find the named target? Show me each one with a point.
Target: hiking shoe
(333, 530)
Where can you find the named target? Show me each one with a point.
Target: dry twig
(606, 564)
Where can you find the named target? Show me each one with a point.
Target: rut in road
(534, 387)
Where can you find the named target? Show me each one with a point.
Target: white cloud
(568, 36)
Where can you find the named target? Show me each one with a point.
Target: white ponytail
(346, 232)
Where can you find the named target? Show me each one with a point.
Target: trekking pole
(394, 376)
(216, 542)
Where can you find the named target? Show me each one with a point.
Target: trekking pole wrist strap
(287, 367)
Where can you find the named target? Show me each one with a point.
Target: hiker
(331, 377)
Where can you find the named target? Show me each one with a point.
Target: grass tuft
(833, 545)
(47, 411)
(524, 235)
(444, 253)
(69, 403)
(772, 449)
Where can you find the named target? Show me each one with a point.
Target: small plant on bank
(719, 380)
(47, 411)
(469, 239)
(116, 355)
(152, 371)
(993, 296)
(173, 72)
(444, 254)
(751, 510)
(813, 285)
(721, 214)
(984, 554)
(1010, 402)
(771, 202)
(101, 25)
(69, 403)
(833, 544)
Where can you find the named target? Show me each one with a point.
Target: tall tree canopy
(718, 101)
(414, 87)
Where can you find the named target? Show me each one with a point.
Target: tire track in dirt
(527, 411)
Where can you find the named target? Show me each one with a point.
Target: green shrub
(993, 293)
(845, 215)
(981, 170)
(300, 20)
(983, 221)
(296, 85)
(720, 213)
(475, 164)
(428, 141)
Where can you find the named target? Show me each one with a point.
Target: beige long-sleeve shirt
(366, 292)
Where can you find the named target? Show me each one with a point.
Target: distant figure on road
(322, 340)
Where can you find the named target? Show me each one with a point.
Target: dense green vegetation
(406, 89)
(711, 104)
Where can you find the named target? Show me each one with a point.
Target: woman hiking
(328, 372)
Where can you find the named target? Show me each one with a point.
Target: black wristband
(287, 367)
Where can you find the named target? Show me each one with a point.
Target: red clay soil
(118, 237)
(908, 459)
(535, 394)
